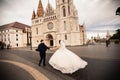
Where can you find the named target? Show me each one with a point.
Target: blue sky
(98, 15)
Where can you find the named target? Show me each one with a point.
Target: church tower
(68, 20)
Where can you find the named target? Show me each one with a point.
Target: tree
(118, 11)
(116, 35)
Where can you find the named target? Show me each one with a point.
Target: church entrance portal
(50, 39)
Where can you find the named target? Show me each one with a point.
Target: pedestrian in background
(107, 42)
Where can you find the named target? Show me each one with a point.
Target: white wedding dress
(66, 61)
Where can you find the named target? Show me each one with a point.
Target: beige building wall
(13, 36)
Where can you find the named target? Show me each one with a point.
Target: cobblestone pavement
(103, 63)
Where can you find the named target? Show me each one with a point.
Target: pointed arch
(49, 38)
(64, 11)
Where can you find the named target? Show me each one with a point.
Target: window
(65, 37)
(16, 30)
(16, 35)
(68, 1)
(36, 30)
(37, 41)
(63, 1)
(16, 39)
(17, 44)
(64, 13)
(50, 25)
(36, 21)
(65, 25)
(69, 10)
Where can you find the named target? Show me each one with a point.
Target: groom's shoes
(39, 64)
(44, 65)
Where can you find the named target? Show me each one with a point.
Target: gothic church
(57, 24)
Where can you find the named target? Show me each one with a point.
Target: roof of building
(15, 25)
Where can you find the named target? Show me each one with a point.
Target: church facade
(57, 24)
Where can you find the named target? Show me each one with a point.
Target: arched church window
(64, 12)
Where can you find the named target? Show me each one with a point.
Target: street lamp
(83, 38)
(30, 39)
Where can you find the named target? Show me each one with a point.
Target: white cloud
(94, 13)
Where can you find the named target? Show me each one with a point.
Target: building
(57, 24)
(15, 34)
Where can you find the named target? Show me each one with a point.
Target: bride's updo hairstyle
(59, 41)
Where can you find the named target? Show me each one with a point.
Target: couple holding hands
(63, 59)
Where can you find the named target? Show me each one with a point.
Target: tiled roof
(15, 25)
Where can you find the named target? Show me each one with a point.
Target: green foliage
(116, 35)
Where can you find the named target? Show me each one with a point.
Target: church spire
(40, 10)
(33, 15)
(49, 9)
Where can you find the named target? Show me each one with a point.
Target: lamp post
(83, 38)
(30, 39)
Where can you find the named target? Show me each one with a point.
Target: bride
(65, 60)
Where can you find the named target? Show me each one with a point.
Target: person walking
(107, 42)
(42, 48)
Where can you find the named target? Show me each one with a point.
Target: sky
(97, 15)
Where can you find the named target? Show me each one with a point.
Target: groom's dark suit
(42, 50)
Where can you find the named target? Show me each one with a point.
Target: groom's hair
(41, 40)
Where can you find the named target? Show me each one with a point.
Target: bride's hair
(59, 41)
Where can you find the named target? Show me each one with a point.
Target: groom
(42, 50)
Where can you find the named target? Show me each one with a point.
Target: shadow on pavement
(98, 70)
(12, 72)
